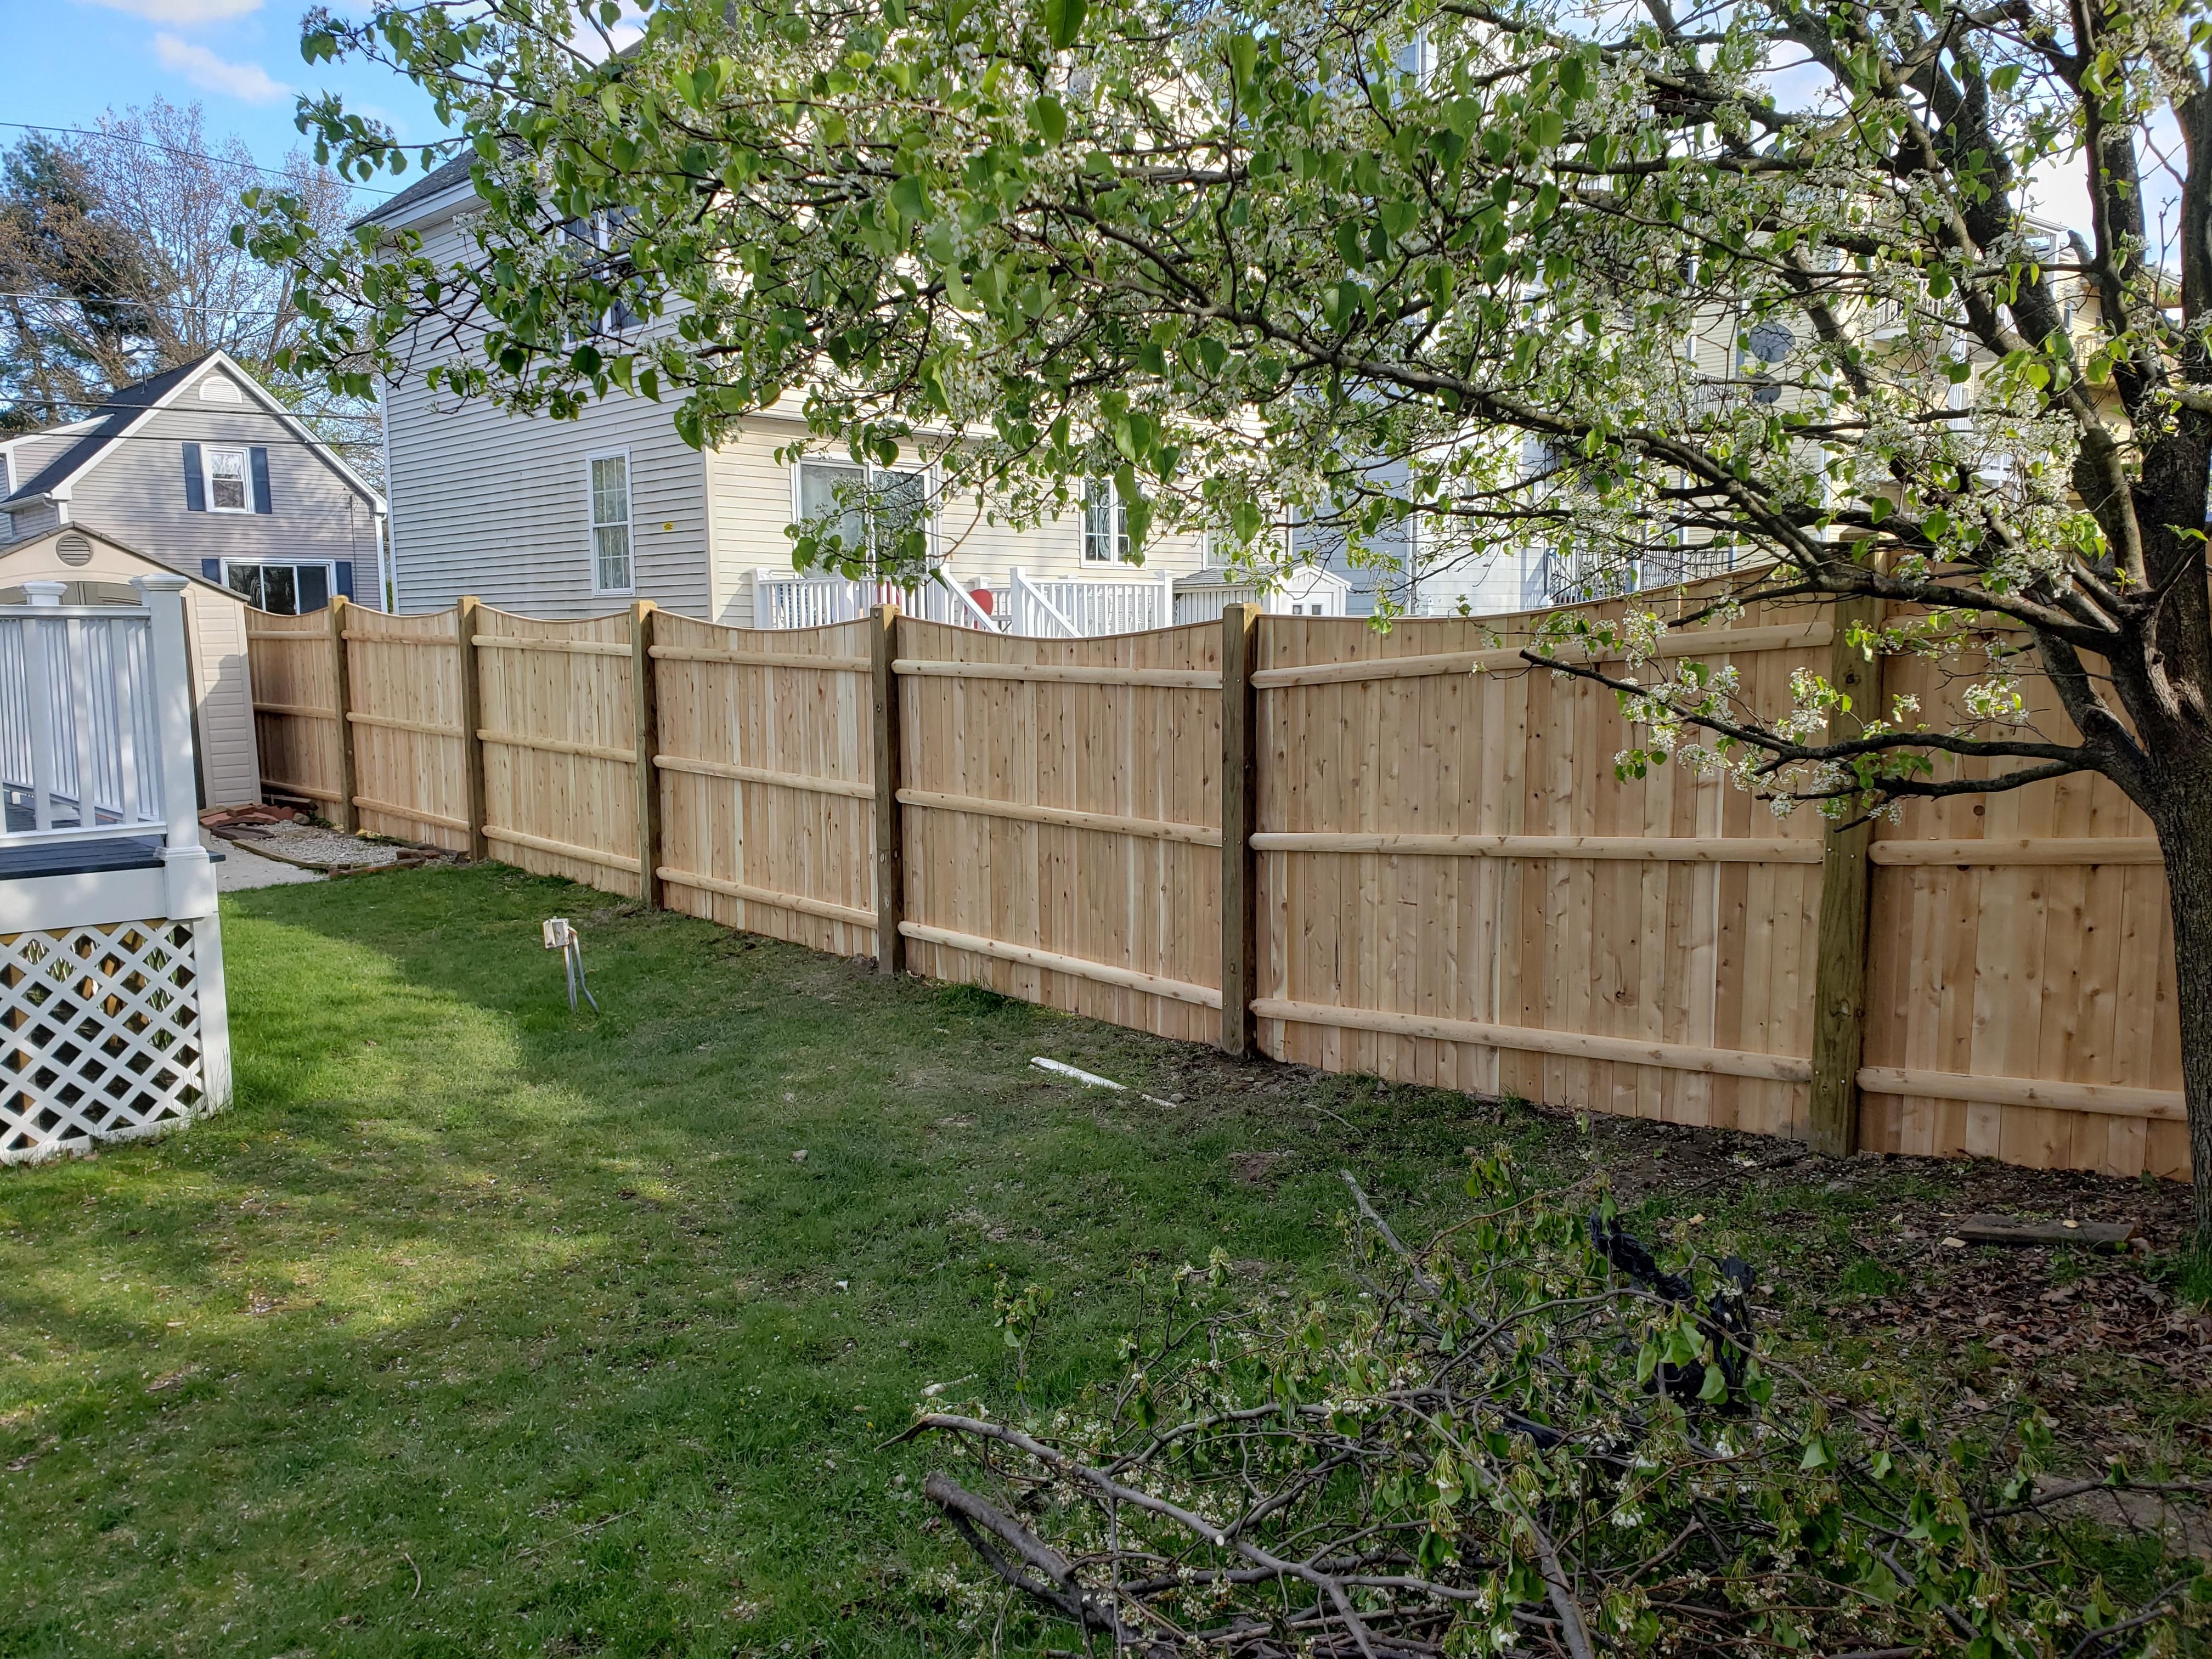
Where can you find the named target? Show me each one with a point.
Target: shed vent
(219, 389)
(73, 550)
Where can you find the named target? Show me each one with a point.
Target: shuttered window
(228, 489)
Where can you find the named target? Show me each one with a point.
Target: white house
(575, 518)
(203, 468)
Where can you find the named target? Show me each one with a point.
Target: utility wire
(151, 305)
(193, 155)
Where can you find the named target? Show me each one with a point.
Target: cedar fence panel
(1456, 890)
(295, 716)
(405, 676)
(1061, 803)
(766, 763)
(559, 753)
(2022, 936)
(1453, 887)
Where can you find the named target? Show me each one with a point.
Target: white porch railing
(110, 971)
(1048, 607)
(80, 726)
(1085, 607)
(795, 599)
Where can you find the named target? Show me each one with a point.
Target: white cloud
(186, 12)
(248, 81)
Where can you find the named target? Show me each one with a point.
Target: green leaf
(1716, 1386)
(1243, 57)
(1063, 21)
(1050, 116)
(910, 197)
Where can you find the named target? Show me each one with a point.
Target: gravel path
(305, 841)
(240, 870)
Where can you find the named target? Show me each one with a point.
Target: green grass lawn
(479, 1328)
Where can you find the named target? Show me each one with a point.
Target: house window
(612, 571)
(1105, 523)
(227, 490)
(283, 587)
(867, 506)
(601, 232)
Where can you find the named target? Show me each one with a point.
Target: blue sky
(240, 59)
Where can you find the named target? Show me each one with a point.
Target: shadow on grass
(547, 1310)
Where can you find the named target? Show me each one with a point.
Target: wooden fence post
(473, 760)
(1839, 974)
(890, 841)
(649, 743)
(1239, 874)
(347, 819)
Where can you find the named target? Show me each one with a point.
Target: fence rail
(1402, 854)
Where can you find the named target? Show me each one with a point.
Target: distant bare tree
(117, 262)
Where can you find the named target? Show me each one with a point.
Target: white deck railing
(80, 722)
(1044, 607)
(793, 599)
(1085, 607)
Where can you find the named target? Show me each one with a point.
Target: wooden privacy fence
(1404, 853)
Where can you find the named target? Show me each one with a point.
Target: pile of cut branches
(1532, 1434)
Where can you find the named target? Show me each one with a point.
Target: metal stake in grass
(561, 935)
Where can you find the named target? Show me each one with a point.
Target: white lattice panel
(101, 1036)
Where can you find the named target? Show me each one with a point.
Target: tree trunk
(2185, 837)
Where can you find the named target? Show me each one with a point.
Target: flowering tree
(1749, 287)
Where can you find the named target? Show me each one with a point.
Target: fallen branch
(1536, 1434)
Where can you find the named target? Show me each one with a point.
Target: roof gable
(131, 407)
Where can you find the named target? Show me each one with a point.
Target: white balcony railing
(80, 721)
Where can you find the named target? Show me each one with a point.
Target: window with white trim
(229, 480)
(612, 567)
(872, 508)
(283, 587)
(1105, 523)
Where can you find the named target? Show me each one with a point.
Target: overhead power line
(153, 305)
(193, 155)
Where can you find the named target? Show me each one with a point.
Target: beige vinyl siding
(752, 496)
(135, 493)
(499, 505)
(230, 768)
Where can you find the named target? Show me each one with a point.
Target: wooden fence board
(546, 800)
(2048, 959)
(811, 838)
(289, 657)
(408, 750)
(1132, 903)
(1629, 944)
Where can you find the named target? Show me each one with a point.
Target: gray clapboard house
(204, 469)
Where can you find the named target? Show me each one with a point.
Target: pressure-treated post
(466, 626)
(341, 695)
(1240, 885)
(890, 847)
(1840, 975)
(649, 743)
